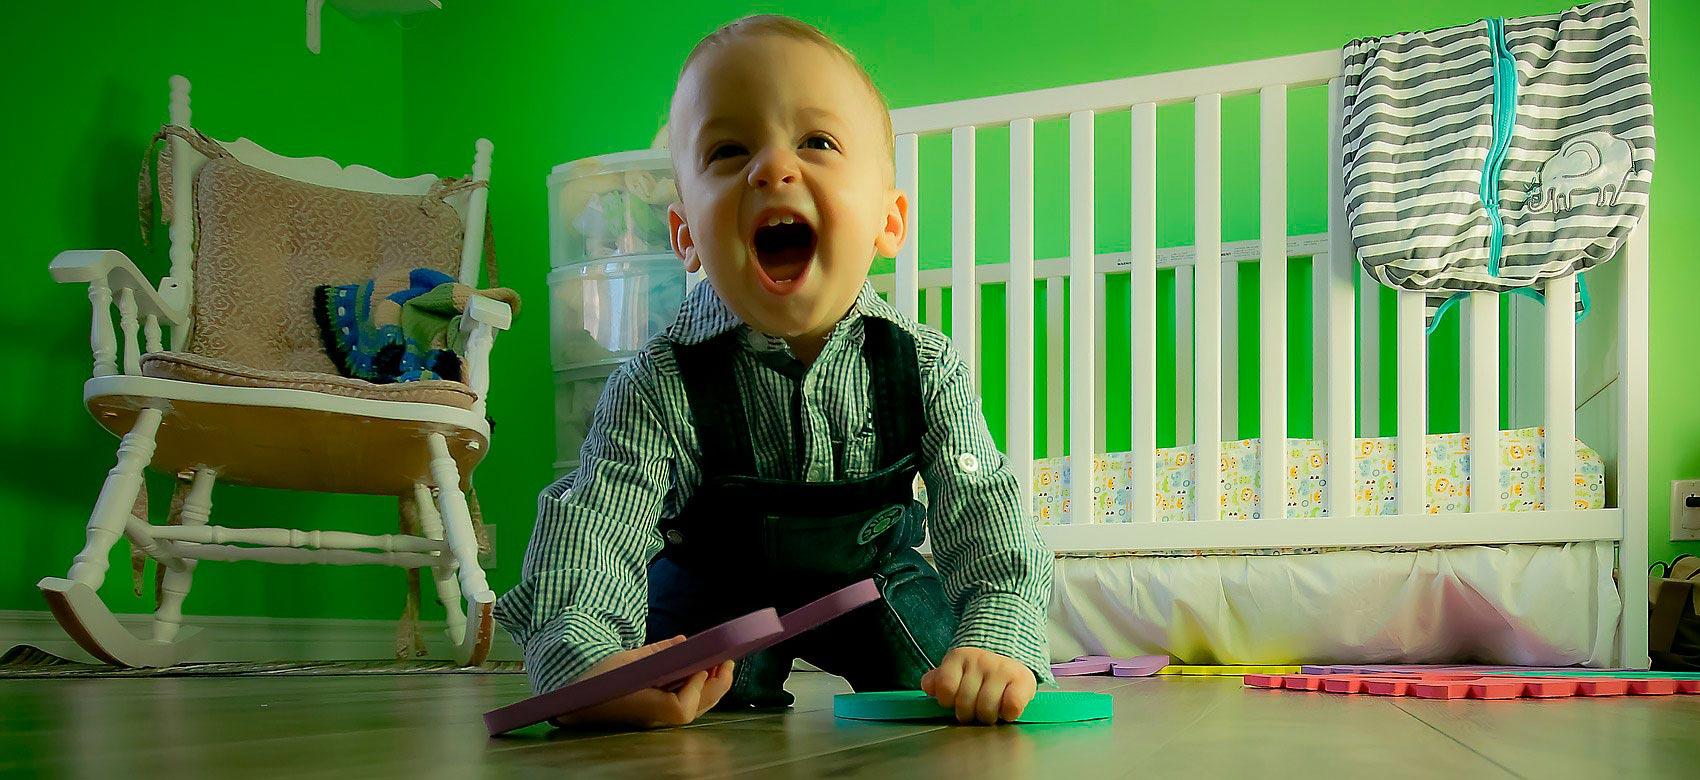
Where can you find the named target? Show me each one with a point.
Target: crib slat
(1411, 465)
(935, 307)
(1054, 311)
(1337, 273)
(1019, 302)
(1560, 312)
(1230, 348)
(1082, 271)
(908, 269)
(1100, 372)
(1369, 355)
(1183, 355)
(1632, 498)
(1143, 313)
(1207, 305)
(964, 316)
(1272, 306)
(1483, 410)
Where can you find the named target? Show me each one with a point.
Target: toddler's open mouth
(784, 244)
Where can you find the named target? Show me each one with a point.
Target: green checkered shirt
(583, 592)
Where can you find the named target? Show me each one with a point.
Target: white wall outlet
(1684, 519)
(488, 560)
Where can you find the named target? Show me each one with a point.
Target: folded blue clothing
(364, 347)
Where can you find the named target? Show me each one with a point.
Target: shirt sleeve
(583, 590)
(996, 569)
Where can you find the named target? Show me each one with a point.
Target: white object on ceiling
(361, 10)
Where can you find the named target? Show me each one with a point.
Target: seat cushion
(189, 367)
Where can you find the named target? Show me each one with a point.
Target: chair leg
(117, 499)
(445, 573)
(174, 586)
(474, 642)
(74, 599)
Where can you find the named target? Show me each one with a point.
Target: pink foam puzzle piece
(1460, 685)
(1651, 687)
(733, 639)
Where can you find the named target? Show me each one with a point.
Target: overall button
(674, 537)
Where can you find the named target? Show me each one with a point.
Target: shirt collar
(705, 315)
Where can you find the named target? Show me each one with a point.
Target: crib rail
(1345, 332)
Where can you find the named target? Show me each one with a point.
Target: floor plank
(1198, 727)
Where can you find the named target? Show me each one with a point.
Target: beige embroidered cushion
(187, 367)
(265, 241)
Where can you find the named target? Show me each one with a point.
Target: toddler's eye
(819, 142)
(726, 151)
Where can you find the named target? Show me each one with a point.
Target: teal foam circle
(1046, 707)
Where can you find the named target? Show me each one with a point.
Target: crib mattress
(1522, 479)
(1522, 604)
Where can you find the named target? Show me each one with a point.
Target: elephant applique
(1595, 162)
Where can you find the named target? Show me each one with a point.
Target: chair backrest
(252, 234)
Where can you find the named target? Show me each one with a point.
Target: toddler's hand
(982, 686)
(653, 708)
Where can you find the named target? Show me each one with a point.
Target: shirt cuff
(1008, 625)
(565, 648)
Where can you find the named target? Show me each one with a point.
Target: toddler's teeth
(771, 221)
(786, 220)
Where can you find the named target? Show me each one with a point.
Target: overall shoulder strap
(717, 405)
(898, 417)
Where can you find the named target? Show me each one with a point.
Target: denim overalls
(745, 542)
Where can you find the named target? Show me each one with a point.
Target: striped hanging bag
(1497, 155)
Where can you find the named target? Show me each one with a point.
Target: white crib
(1346, 388)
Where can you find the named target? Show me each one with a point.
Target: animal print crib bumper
(1497, 155)
(1522, 475)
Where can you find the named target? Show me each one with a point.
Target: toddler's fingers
(946, 680)
(719, 682)
(967, 694)
(987, 703)
(1017, 696)
(682, 707)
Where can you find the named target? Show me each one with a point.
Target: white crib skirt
(1538, 605)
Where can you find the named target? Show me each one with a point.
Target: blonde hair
(757, 25)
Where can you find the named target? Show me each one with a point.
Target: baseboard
(253, 638)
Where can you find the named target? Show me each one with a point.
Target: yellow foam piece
(1225, 671)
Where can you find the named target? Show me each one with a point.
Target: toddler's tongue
(784, 250)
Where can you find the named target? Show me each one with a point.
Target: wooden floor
(429, 726)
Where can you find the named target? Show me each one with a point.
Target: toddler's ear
(683, 245)
(896, 225)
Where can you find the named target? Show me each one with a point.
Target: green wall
(88, 89)
(550, 82)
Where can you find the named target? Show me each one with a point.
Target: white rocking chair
(241, 399)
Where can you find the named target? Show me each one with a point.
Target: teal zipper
(1504, 122)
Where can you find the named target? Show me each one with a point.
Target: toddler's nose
(773, 168)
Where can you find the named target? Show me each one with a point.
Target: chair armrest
(488, 311)
(483, 318)
(115, 269)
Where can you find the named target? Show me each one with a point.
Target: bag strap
(446, 187)
(144, 182)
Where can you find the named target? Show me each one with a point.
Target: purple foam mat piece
(1143, 666)
(706, 650)
(1428, 668)
(820, 611)
(728, 641)
(1138, 666)
(1082, 666)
